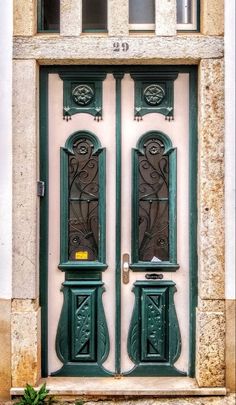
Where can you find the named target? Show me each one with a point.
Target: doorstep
(101, 387)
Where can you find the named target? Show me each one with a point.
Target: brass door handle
(125, 268)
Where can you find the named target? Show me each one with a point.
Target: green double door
(120, 195)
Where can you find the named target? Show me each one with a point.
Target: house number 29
(120, 46)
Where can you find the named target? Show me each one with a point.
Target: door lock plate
(125, 269)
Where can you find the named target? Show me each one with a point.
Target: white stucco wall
(230, 147)
(6, 29)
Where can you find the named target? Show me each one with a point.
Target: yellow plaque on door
(81, 255)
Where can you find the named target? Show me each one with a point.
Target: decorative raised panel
(82, 93)
(154, 93)
(82, 342)
(154, 341)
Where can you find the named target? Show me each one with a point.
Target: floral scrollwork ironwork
(83, 202)
(153, 169)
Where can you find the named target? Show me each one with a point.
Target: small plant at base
(35, 397)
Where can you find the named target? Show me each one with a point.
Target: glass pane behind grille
(50, 15)
(94, 15)
(83, 202)
(184, 12)
(141, 12)
(153, 203)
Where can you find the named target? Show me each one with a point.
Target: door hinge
(40, 188)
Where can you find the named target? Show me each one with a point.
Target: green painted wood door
(120, 197)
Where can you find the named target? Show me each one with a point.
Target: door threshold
(101, 387)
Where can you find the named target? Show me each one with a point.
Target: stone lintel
(165, 17)
(25, 17)
(89, 49)
(211, 180)
(210, 349)
(25, 176)
(212, 17)
(70, 17)
(118, 17)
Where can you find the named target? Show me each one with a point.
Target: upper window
(142, 15)
(94, 15)
(186, 15)
(48, 15)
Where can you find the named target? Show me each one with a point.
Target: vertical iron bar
(118, 77)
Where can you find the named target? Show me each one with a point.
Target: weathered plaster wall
(6, 31)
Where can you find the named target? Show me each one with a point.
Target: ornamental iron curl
(83, 202)
(153, 169)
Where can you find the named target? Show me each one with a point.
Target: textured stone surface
(25, 202)
(211, 305)
(212, 17)
(210, 350)
(118, 17)
(93, 49)
(26, 350)
(25, 17)
(70, 17)
(165, 11)
(230, 344)
(225, 400)
(124, 386)
(211, 180)
(5, 348)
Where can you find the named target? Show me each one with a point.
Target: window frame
(195, 26)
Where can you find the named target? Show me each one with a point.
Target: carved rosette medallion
(153, 94)
(83, 94)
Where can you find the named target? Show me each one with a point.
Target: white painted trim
(230, 292)
(6, 32)
(141, 27)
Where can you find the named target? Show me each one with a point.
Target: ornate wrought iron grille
(83, 202)
(153, 197)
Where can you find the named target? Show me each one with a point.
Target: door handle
(125, 268)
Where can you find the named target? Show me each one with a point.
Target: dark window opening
(94, 15)
(49, 15)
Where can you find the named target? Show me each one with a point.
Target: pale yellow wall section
(25, 12)
(212, 17)
(5, 345)
(26, 349)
